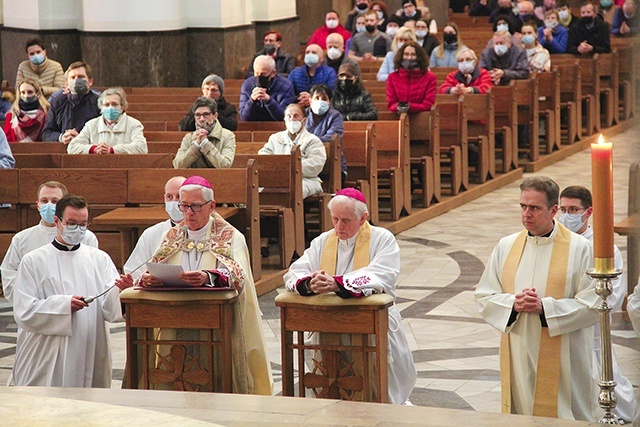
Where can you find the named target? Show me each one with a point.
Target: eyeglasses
(205, 115)
(194, 208)
(572, 210)
(74, 226)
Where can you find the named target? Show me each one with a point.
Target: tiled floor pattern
(455, 352)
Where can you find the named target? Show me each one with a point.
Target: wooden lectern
(179, 340)
(348, 355)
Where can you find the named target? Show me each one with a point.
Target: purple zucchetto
(352, 193)
(196, 180)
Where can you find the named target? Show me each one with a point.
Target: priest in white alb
(354, 260)
(64, 340)
(535, 291)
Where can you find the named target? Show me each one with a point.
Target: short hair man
(152, 236)
(64, 340)
(210, 146)
(310, 74)
(73, 107)
(213, 87)
(264, 97)
(535, 291)
(565, 15)
(575, 210)
(219, 258)
(626, 21)
(273, 47)
(331, 25)
(590, 35)
(362, 44)
(504, 60)
(362, 260)
(38, 67)
(37, 236)
(336, 54)
(526, 14)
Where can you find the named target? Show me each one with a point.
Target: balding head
(265, 63)
(172, 188)
(525, 7)
(335, 40)
(314, 48)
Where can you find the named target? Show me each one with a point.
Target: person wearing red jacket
(469, 78)
(413, 87)
(331, 25)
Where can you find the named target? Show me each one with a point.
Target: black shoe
(264, 251)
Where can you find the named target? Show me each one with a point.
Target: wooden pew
(506, 124)
(163, 147)
(570, 100)
(38, 147)
(528, 114)
(359, 147)
(609, 81)
(90, 161)
(549, 106)
(238, 185)
(425, 149)
(480, 115)
(37, 160)
(590, 89)
(10, 216)
(626, 78)
(452, 136)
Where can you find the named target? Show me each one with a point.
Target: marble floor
(456, 353)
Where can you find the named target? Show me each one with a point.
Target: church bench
(155, 147)
(280, 181)
(425, 148)
(506, 124)
(37, 160)
(272, 127)
(360, 152)
(168, 105)
(480, 117)
(549, 106)
(570, 100)
(527, 100)
(93, 161)
(452, 137)
(609, 85)
(627, 81)
(38, 147)
(159, 116)
(238, 185)
(463, 20)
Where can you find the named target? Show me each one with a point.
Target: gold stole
(329, 257)
(545, 401)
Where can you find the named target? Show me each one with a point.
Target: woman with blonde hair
(25, 121)
(403, 35)
(445, 54)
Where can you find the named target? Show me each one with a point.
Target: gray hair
(214, 78)
(114, 91)
(207, 193)
(504, 33)
(264, 59)
(203, 101)
(358, 207)
(466, 49)
(545, 185)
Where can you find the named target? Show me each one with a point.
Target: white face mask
(421, 34)
(319, 106)
(174, 213)
(331, 23)
(73, 237)
(380, 14)
(573, 222)
(563, 14)
(391, 31)
(502, 27)
(333, 53)
(466, 67)
(500, 49)
(293, 127)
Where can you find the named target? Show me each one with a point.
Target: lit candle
(602, 189)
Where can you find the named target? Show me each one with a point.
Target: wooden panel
(9, 187)
(37, 160)
(149, 315)
(38, 147)
(334, 320)
(111, 161)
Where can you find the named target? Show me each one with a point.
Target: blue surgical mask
(37, 59)
(606, 3)
(311, 59)
(502, 27)
(47, 212)
(73, 237)
(360, 28)
(174, 213)
(319, 107)
(111, 113)
(573, 222)
(528, 39)
(500, 49)
(551, 24)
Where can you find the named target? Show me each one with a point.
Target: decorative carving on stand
(181, 369)
(333, 378)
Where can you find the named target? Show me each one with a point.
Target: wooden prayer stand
(201, 361)
(356, 371)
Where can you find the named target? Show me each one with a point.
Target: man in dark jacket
(350, 97)
(72, 107)
(589, 35)
(273, 47)
(213, 87)
(264, 97)
(504, 61)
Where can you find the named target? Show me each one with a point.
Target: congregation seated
(371, 44)
(358, 27)
(336, 54)
(590, 35)
(350, 98)
(392, 26)
(273, 47)
(413, 87)
(425, 38)
(408, 12)
(553, 36)
(505, 23)
(537, 56)
(25, 121)
(482, 7)
(403, 35)
(331, 25)
(210, 145)
(311, 148)
(264, 97)
(360, 7)
(626, 20)
(113, 131)
(503, 8)
(73, 106)
(445, 54)
(469, 78)
(541, 10)
(311, 73)
(213, 87)
(382, 12)
(504, 61)
(565, 15)
(525, 14)
(39, 68)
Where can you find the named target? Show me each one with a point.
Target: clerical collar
(348, 242)
(198, 235)
(63, 247)
(544, 235)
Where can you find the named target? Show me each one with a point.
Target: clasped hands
(322, 283)
(496, 76)
(528, 301)
(460, 89)
(260, 94)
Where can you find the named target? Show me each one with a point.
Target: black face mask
(370, 28)
(587, 20)
(362, 7)
(346, 85)
(409, 64)
(450, 38)
(264, 81)
(270, 49)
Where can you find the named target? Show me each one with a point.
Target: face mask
(500, 49)
(47, 212)
(345, 85)
(551, 24)
(528, 39)
(28, 98)
(563, 15)
(263, 81)
(360, 28)
(516, 10)
(319, 107)
(37, 59)
(421, 34)
(311, 59)
(380, 14)
(391, 31)
(79, 87)
(331, 23)
(606, 3)
(111, 113)
(409, 64)
(270, 49)
(370, 28)
(450, 38)
(334, 53)
(573, 222)
(73, 237)
(362, 7)
(400, 44)
(524, 17)
(173, 211)
(587, 20)
(208, 125)
(293, 127)
(502, 27)
(466, 67)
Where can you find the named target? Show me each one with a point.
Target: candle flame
(600, 139)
